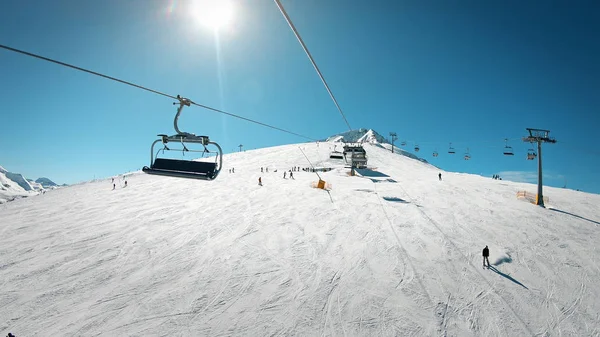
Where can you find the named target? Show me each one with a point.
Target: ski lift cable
(289, 21)
(150, 90)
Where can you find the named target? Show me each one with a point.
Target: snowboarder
(284, 172)
(440, 176)
(486, 254)
(259, 181)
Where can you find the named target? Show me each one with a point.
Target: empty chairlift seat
(185, 168)
(182, 168)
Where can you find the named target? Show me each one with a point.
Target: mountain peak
(359, 136)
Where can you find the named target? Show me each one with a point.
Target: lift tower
(394, 137)
(539, 136)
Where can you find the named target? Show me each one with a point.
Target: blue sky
(467, 72)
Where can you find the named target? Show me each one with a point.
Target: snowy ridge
(19, 180)
(3, 170)
(46, 182)
(10, 190)
(392, 252)
(401, 151)
(369, 137)
(358, 136)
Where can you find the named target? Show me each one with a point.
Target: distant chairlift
(508, 151)
(467, 155)
(531, 154)
(336, 154)
(435, 153)
(403, 143)
(417, 148)
(451, 149)
(204, 170)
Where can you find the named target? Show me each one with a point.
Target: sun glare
(214, 14)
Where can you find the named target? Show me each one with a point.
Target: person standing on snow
(291, 175)
(440, 176)
(259, 181)
(486, 254)
(284, 174)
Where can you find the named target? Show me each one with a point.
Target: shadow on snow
(575, 215)
(394, 199)
(492, 268)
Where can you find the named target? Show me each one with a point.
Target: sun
(214, 14)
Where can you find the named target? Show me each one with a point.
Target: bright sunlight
(212, 13)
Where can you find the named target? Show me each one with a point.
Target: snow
(335, 139)
(368, 137)
(20, 180)
(10, 190)
(393, 252)
(358, 136)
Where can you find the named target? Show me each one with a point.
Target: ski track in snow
(387, 256)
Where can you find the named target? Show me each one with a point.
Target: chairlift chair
(203, 170)
(417, 148)
(335, 154)
(403, 143)
(467, 155)
(451, 149)
(531, 154)
(435, 153)
(508, 151)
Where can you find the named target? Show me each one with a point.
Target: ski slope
(394, 252)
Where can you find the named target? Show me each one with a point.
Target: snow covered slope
(394, 252)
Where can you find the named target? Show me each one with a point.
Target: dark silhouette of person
(486, 254)
(440, 176)
(260, 181)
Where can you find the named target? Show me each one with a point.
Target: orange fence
(321, 184)
(531, 197)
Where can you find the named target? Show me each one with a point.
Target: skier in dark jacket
(440, 176)
(486, 254)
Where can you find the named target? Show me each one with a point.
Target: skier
(125, 183)
(284, 172)
(259, 181)
(486, 254)
(261, 170)
(114, 186)
(291, 175)
(233, 170)
(440, 176)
